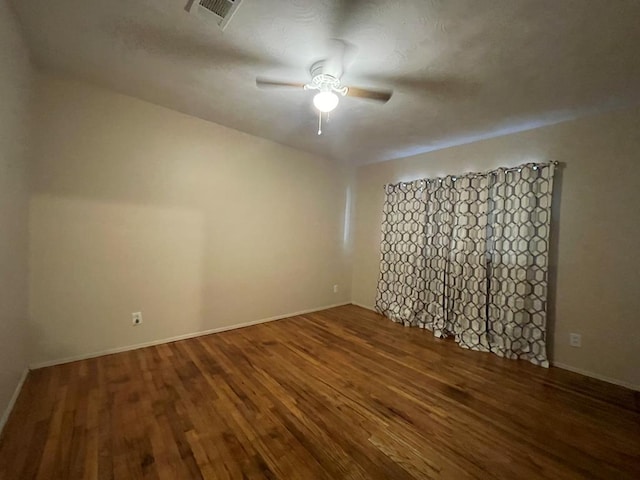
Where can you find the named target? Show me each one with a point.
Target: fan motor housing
(323, 81)
(317, 69)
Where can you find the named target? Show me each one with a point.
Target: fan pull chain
(319, 123)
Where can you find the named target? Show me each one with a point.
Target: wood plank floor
(342, 393)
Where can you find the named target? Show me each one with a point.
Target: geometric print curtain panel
(467, 257)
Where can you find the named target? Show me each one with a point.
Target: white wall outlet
(136, 318)
(575, 339)
(335, 289)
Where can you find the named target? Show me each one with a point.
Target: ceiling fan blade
(431, 85)
(266, 83)
(378, 95)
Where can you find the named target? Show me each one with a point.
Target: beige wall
(139, 208)
(597, 230)
(136, 207)
(15, 78)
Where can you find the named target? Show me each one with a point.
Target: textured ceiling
(460, 69)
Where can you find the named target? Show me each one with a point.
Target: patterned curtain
(467, 257)
(401, 288)
(519, 225)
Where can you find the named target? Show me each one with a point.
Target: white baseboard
(562, 366)
(597, 376)
(75, 358)
(368, 307)
(14, 398)
(110, 351)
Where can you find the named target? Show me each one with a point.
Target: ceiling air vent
(221, 11)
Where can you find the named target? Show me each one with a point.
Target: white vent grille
(219, 7)
(220, 11)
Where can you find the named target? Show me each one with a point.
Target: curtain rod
(555, 163)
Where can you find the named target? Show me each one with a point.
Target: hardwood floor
(342, 393)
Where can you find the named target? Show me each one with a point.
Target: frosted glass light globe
(326, 101)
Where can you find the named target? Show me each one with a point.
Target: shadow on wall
(95, 262)
(138, 208)
(554, 242)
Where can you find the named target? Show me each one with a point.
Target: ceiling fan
(325, 80)
(325, 76)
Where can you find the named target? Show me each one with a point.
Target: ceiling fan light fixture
(326, 101)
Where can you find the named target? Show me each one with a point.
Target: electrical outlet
(136, 318)
(575, 339)
(335, 289)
